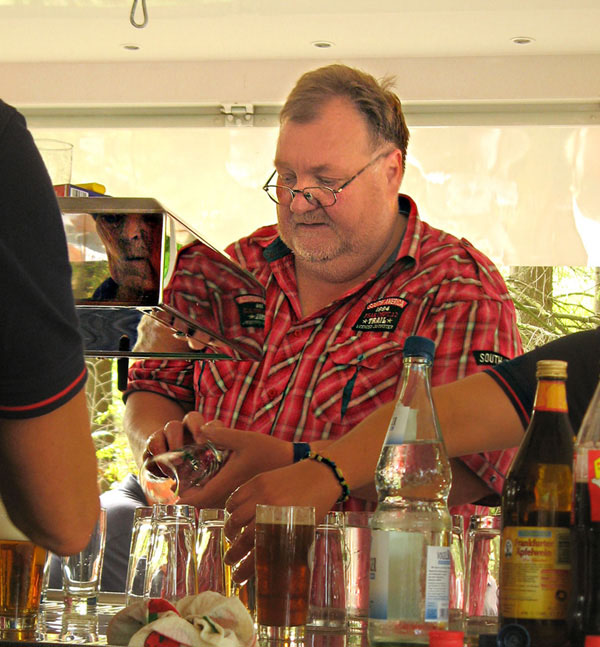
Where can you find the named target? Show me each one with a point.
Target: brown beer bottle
(536, 510)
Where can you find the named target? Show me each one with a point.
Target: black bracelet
(345, 495)
(301, 451)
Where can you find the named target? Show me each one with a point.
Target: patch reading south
(488, 358)
(382, 315)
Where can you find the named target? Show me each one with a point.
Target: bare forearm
(475, 415)
(49, 476)
(467, 487)
(145, 413)
(357, 452)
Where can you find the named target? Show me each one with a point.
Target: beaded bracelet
(345, 495)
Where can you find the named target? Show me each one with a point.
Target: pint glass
(283, 553)
(21, 575)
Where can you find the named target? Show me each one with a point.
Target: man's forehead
(316, 166)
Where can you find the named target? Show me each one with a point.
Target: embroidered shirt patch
(382, 315)
(251, 309)
(488, 358)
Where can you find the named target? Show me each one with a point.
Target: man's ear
(394, 170)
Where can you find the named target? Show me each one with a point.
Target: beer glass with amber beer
(283, 553)
(21, 574)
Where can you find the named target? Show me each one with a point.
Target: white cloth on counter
(208, 619)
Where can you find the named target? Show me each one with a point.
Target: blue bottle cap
(419, 346)
(513, 635)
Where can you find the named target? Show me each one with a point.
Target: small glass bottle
(536, 510)
(411, 526)
(585, 596)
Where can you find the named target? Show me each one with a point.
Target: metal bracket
(238, 114)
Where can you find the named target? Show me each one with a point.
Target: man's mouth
(311, 223)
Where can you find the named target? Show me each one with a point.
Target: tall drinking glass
(357, 536)
(457, 574)
(21, 574)
(171, 571)
(283, 555)
(483, 572)
(81, 572)
(327, 608)
(213, 573)
(139, 553)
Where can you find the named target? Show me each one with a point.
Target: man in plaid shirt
(349, 272)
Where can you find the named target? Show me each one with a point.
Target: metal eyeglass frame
(306, 190)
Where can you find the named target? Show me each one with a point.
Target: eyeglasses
(318, 196)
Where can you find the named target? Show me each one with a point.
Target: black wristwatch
(301, 451)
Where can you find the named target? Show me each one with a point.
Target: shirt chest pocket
(215, 379)
(353, 384)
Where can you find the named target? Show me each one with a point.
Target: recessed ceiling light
(522, 40)
(132, 47)
(323, 44)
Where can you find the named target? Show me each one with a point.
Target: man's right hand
(249, 454)
(173, 435)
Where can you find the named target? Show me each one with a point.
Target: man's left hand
(250, 454)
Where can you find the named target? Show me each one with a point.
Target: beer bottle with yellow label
(537, 500)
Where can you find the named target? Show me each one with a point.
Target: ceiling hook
(132, 20)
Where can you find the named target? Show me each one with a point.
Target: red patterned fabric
(323, 373)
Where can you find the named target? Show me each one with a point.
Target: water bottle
(411, 526)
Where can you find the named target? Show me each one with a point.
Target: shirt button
(272, 394)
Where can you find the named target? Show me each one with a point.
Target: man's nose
(132, 227)
(299, 203)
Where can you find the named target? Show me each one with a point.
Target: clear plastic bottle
(411, 527)
(584, 613)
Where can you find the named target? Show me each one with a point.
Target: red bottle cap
(441, 638)
(592, 641)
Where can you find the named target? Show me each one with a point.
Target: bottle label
(551, 396)
(437, 585)
(535, 572)
(593, 480)
(403, 425)
(396, 579)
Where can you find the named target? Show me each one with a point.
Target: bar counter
(59, 625)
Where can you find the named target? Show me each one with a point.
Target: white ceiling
(195, 30)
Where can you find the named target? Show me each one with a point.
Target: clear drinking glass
(171, 570)
(327, 606)
(164, 476)
(213, 573)
(456, 612)
(58, 158)
(483, 572)
(357, 535)
(139, 554)
(81, 572)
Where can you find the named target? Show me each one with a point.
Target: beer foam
(7, 528)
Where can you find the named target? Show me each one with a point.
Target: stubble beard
(320, 253)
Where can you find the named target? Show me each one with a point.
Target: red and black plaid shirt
(323, 373)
